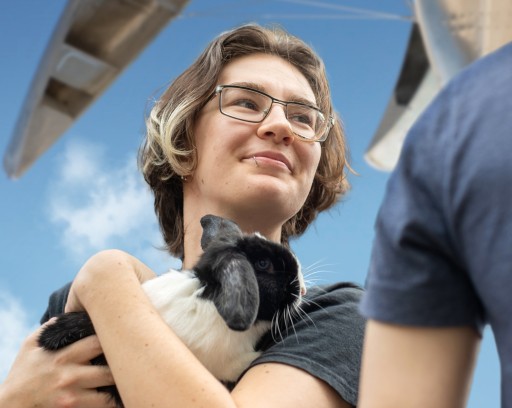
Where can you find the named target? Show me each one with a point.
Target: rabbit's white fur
(220, 309)
(224, 352)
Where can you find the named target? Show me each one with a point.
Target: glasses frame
(329, 121)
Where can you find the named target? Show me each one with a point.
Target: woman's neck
(248, 219)
(193, 233)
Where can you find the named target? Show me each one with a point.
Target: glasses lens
(306, 121)
(251, 106)
(244, 104)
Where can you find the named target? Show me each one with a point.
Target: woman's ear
(218, 228)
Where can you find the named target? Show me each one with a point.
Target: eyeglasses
(250, 105)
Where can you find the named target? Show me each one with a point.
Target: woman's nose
(276, 125)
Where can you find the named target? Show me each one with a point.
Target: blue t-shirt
(442, 255)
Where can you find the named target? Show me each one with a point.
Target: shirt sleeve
(417, 275)
(56, 303)
(326, 341)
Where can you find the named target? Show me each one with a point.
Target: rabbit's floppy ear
(229, 276)
(237, 299)
(219, 228)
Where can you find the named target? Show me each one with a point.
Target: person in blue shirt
(441, 266)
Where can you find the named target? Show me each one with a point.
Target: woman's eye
(303, 119)
(247, 104)
(263, 265)
(301, 115)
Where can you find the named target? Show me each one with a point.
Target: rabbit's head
(247, 277)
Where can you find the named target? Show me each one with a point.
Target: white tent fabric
(453, 34)
(93, 42)
(96, 39)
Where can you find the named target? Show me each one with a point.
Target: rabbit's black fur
(220, 308)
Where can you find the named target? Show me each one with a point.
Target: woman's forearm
(151, 365)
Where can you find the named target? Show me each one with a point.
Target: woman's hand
(112, 264)
(63, 378)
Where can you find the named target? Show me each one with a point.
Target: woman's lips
(271, 158)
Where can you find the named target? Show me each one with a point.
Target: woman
(248, 133)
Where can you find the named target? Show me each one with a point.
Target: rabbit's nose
(302, 284)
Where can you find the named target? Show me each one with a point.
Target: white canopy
(447, 36)
(93, 42)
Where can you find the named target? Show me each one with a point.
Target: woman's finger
(96, 399)
(82, 351)
(81, 399)
(94, 376)
(32, 340)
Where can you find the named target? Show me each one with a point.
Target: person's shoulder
(336, 292)
(326, 339)
(499, 59)
(482, 78)
(56, 303)
(335, 299)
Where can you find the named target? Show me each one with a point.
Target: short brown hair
(168, 151)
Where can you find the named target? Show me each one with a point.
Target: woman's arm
(152, 366)
(281, 385)
(64, 378)
(417, 367)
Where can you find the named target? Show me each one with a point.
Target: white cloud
(99, 206)
(15, 327)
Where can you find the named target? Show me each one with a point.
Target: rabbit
(220, 308)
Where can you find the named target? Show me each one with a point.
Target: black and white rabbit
(220, 308)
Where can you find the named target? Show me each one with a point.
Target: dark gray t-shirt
(326, 341)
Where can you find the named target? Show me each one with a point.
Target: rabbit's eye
(264, 265)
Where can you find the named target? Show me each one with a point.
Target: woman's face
(258, 174)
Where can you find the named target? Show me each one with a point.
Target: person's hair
(168, 152)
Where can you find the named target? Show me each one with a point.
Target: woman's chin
(271, 197)
(270, 187)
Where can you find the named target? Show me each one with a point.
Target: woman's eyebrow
(258, 87)
(252, 85)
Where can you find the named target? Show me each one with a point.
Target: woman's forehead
(271, 73)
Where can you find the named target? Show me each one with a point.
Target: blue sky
(85, 193)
